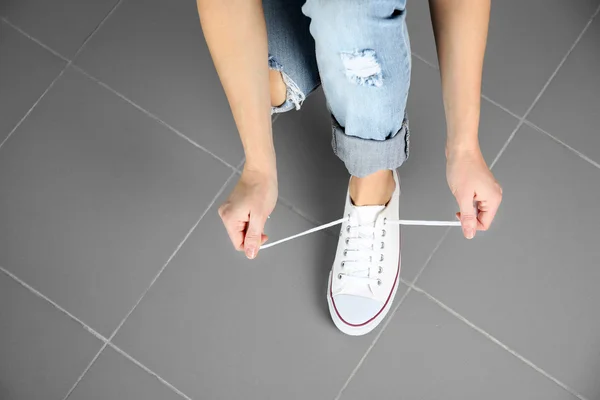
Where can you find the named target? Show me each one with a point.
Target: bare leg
(374, 189)
(277, 88)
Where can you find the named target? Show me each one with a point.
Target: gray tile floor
(117, 280)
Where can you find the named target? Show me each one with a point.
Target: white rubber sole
(363, 329)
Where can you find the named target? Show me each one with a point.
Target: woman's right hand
(245, 212)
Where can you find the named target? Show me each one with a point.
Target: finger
(236, 232)
(235, 228)
(468, 216)
(487, 212)
(264, 239)
(254, 234)
(479, 226)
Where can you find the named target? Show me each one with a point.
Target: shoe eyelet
(383, 233)
(347, 228)
(347, 241)
(379, 282)
(380, 271)
(339, 276)
(382, 245)
(384, 220)
(381, 258)
(345, 253)
(343, 263)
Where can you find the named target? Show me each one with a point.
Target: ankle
(372, 190)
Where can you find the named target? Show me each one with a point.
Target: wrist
(264, 164)
(461, 148)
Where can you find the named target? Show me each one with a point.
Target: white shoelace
(360, 253)
(339, 221)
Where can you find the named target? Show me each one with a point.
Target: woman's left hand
(476, 190)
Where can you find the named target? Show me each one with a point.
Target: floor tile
(96, 197)
(426, 353)
(154, 53)
(63, 25)
(42, 350)
(115, 377)
(418, 20)
(26, 71)
(526, 42)
(532, 281)
(570, 106)
(425, 193)
(534, 35)
(315, 181)
(311, 177)
(218, 326)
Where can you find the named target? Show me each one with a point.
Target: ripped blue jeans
(360, 52)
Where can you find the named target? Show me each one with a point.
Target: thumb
(254, 235)
(468, 215)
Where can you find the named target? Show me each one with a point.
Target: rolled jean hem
(366, 156)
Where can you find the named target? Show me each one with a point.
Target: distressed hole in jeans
(294, 96)
(362, 67)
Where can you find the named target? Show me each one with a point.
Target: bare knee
(277, 88)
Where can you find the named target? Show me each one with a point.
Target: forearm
(460, 28)
(236, 35)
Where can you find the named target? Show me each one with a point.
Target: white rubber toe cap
(356, 310)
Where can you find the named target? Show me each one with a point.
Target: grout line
(149, 286)
(392, 313)
(85, 370)
(59, 308)
(148, 370)
(486, 98)
(428, 260)
(364, 357)
(28, 36)
(505, 145)
(288, 204)
(154, 117)
(493, 339)
(410, 285)
(42, 296)
(238, 168)
(537, 98)
(70, 63)
(14, 129)
(483, 96)
(208, 208)
(97, 28)
(577, 152)
(512, 135)
(112, 10)
(500, 106)
(92, 331)
(418, 57)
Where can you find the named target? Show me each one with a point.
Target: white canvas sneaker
(366, 270)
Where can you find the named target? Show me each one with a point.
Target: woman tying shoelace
(271, 54)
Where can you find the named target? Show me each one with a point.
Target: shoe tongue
(367, 214)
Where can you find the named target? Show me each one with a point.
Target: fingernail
(470, 233)
(251, 253)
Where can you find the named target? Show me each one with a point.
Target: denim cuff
(364, 156)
